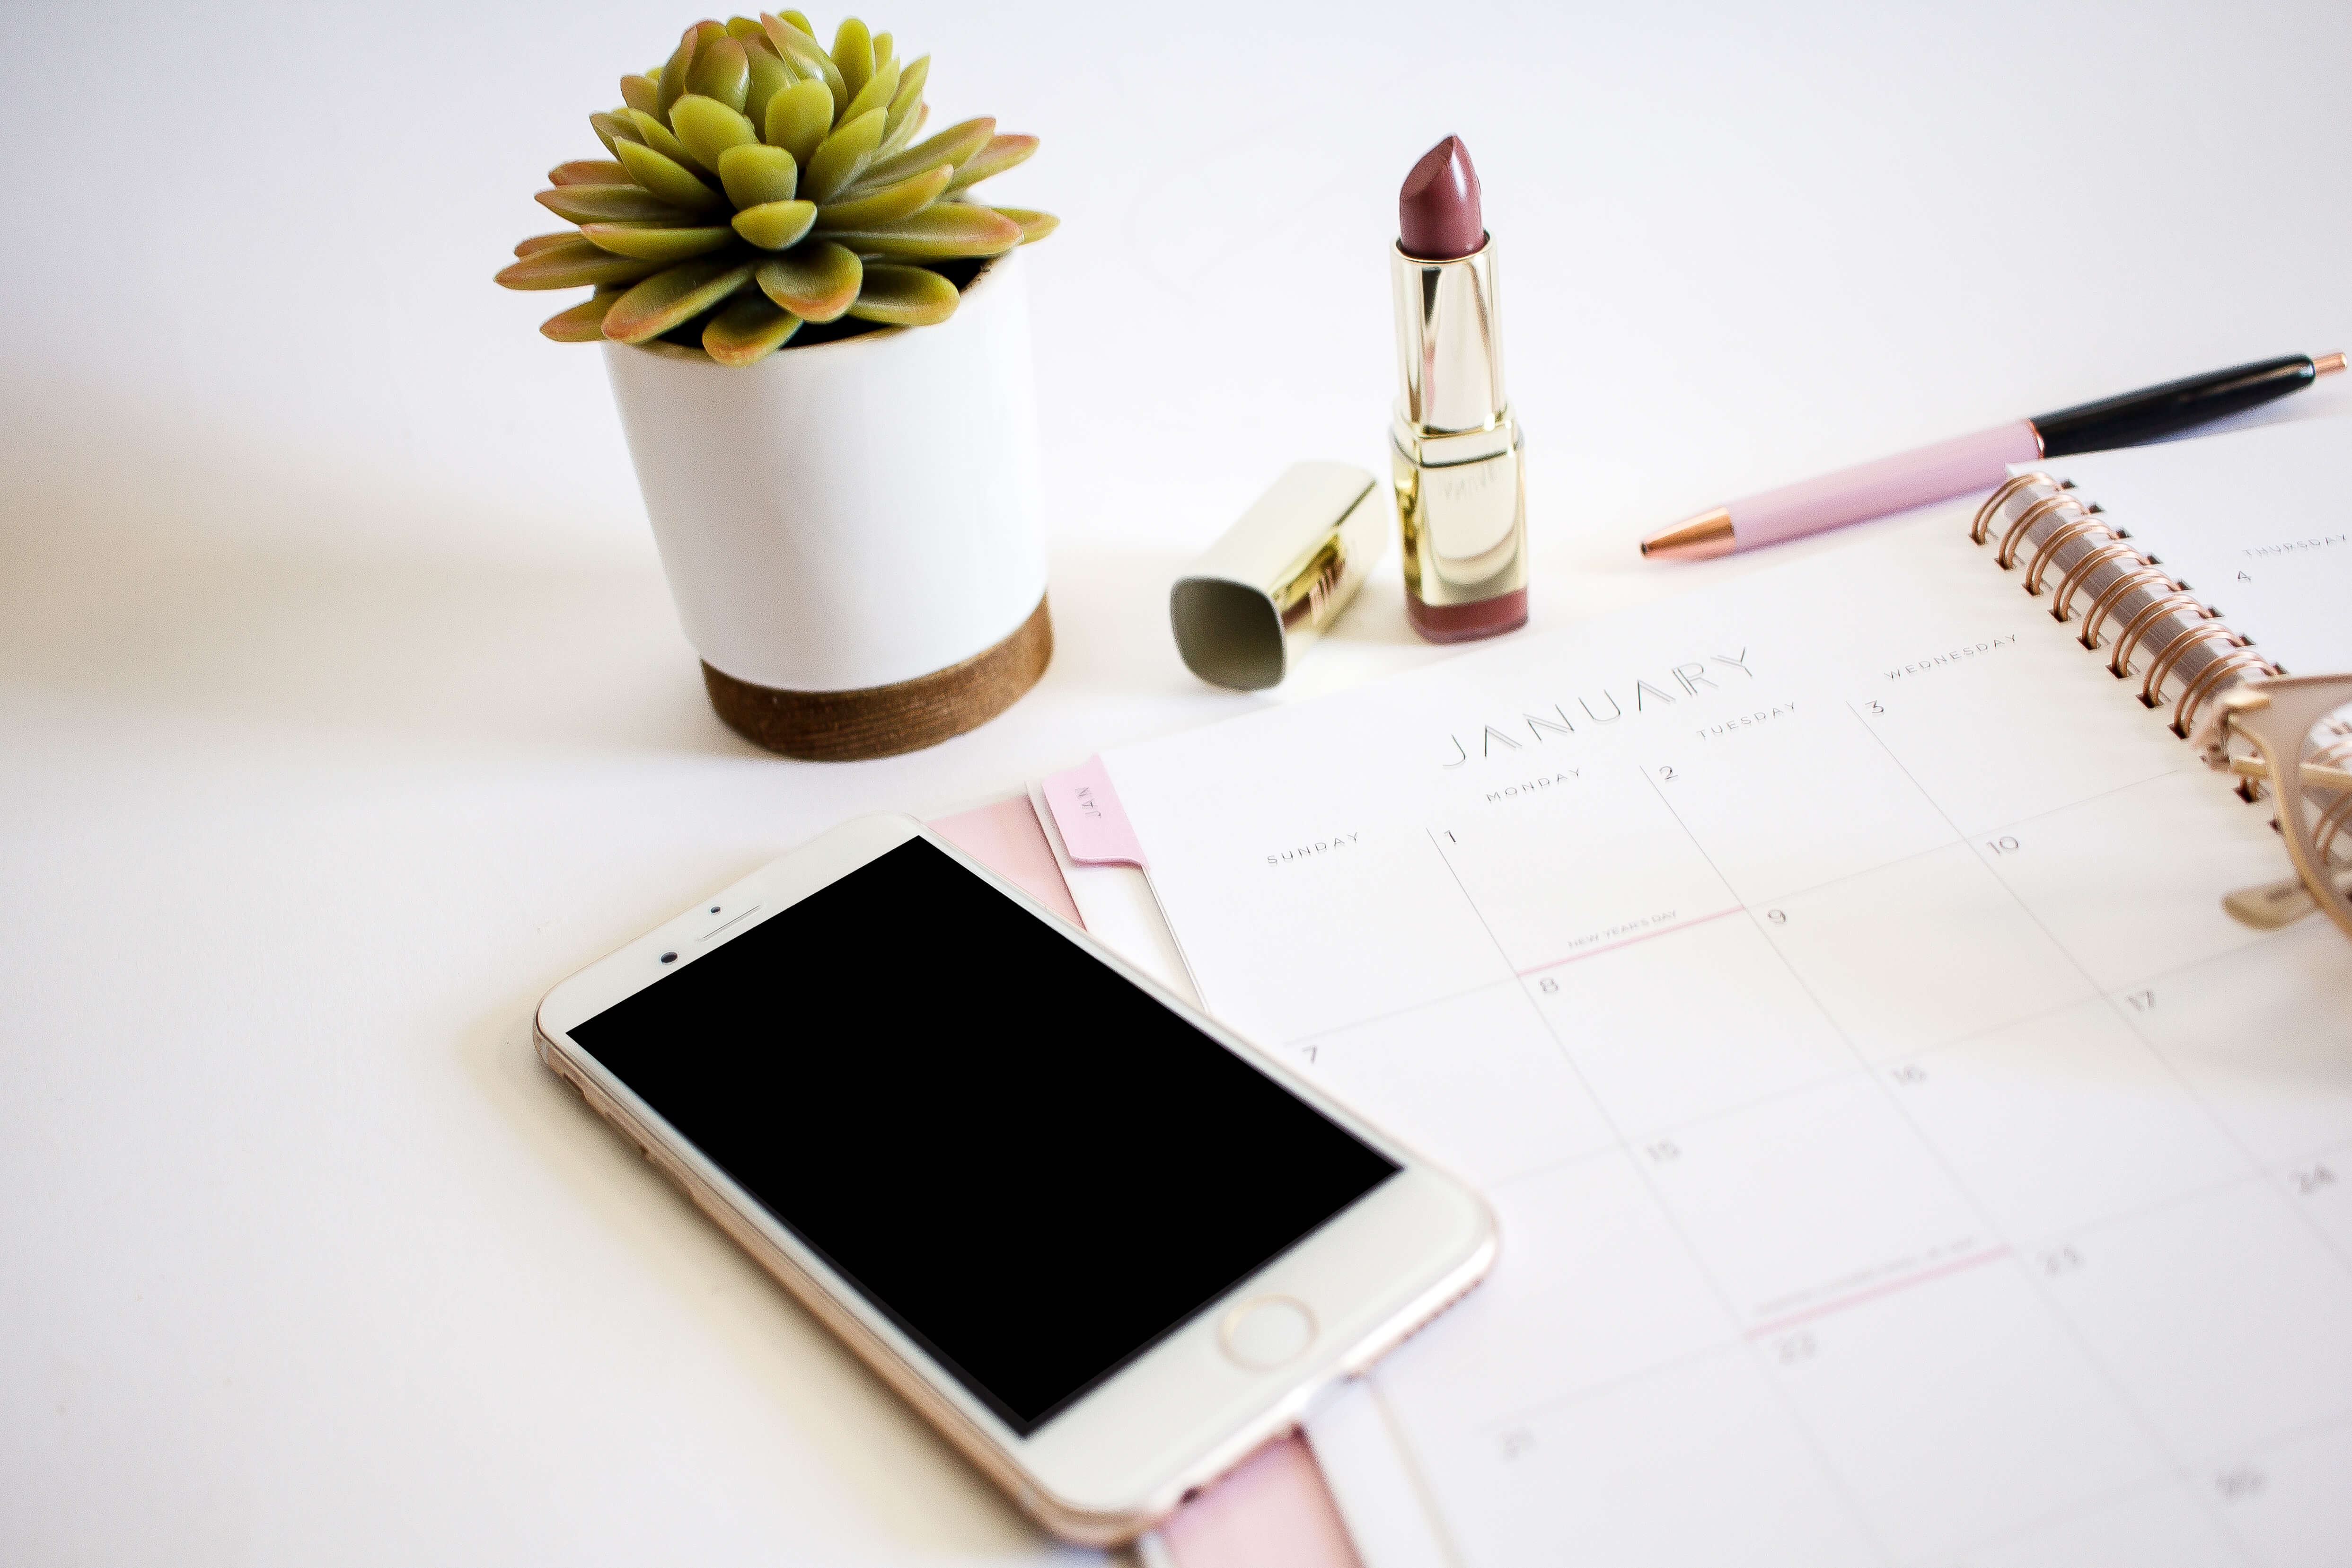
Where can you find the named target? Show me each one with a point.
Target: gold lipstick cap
(1264, 592)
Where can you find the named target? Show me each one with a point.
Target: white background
(343, 709)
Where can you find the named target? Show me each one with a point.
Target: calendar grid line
(1757, 1340)
(2137, 1408)
(1822, 1463)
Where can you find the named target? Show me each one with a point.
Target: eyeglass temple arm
(2271, 905)
(2312, 773)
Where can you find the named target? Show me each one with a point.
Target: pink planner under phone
(1274, 1511)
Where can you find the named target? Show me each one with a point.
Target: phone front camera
(669, 958)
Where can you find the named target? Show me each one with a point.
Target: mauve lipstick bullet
(1461, 489)
(1438, 217)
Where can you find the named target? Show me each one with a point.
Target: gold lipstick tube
(1461, 489)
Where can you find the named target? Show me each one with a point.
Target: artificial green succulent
(761, 182)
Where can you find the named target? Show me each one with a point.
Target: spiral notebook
(2195, 563)
(1901, 1157)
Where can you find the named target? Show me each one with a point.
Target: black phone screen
(1032, 1166)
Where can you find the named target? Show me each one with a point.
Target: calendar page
(2252, 523)
(1900, 1155)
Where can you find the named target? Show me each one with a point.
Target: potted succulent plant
(819, 345)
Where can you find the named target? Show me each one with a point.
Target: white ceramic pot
(848, 520)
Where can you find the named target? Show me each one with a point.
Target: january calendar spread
(1901, 1155)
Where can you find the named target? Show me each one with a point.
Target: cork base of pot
(884, 720)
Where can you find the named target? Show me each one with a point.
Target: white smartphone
(1101, 1243)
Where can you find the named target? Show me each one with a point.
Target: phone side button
(1267, 1332)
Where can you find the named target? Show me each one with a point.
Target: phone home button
(1267, 1332)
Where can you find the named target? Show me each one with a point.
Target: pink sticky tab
(1273, 1512)
(1094, 825)
(1005, 839)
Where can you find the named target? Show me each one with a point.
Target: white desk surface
(343, 709)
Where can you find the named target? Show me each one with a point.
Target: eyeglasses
(2291, 736)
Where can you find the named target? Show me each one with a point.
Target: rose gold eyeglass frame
(2312, 784)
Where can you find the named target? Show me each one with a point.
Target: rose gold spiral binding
(2007, 558)
(2112, 594)
(2143, 623)
(2009, 487)
(2241, 661)
(2237, 661)
(2151, 691)
(2078, 573)
(2058, 536)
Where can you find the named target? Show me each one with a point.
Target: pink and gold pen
(1979, 462)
